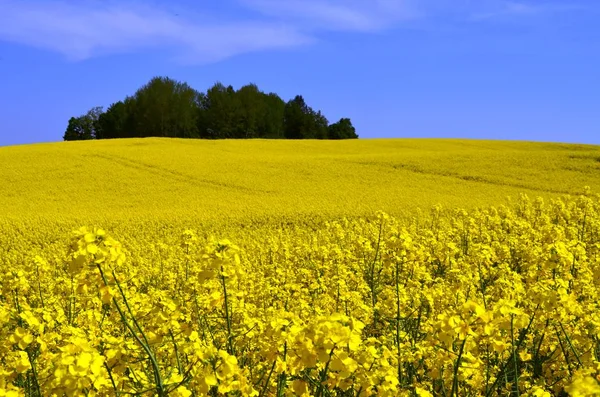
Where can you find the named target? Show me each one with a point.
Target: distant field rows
(212, 181)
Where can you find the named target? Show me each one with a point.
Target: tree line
(168, 108)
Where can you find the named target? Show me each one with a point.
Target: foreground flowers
(495, 302)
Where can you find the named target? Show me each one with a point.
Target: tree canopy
(85, 126)
(343, 129)
(168, 108)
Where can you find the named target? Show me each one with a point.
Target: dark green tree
(302, 122)
(84, 127)
(251, 103)
(271, 122)
(92, 117)
(114, 122)
(319, 124)
(221, 112)
(343, 129)
(295, 120)
(167, 108)
(76, 130)
(202, 121)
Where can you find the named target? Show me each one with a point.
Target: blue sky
(490, 69)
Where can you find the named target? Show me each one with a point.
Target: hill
(212, 180)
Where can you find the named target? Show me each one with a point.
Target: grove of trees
(168, 108)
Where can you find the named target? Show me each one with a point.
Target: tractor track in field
(467, 178)
(171, 174)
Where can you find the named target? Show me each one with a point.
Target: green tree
(271, 123)
(113, 122)
(76, 130)
(92, 117)
(343, 129)
(319, 124)
(302, 122)
(295, 120)
(85, 126)
(202, 121)
(221, 112)
(167, 108)
(251, 103)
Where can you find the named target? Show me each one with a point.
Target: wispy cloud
(81, 29)
(84, 29)
(341, 15)
(503, 8)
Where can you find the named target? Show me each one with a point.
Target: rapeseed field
(258, 179)
(157, 267)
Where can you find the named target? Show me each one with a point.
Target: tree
(319, 124)
(221, 112)
(251, 103)
(92, 117)
(271, 122)
(295, 121)
(112, 122)
(343, 129)
(167, 108)
(76, 130)
(302, 122)
(84, 127)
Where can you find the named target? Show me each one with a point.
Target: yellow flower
(422, 392)
(22, 364)
(583, 387)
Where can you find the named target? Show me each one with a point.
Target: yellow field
(315, 293)
(210, 180)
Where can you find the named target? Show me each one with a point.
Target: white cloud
(505, 8)
(81, 29)
(84, 29)
(344, 15)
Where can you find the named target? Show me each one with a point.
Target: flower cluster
(496, 301)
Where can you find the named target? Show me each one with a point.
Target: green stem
(34, 371)
(324, 374)
(264, 390)
(456, 367)
(514, 354)
(155, 368)
(176, 352)
(228, 318)
(570, 344)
